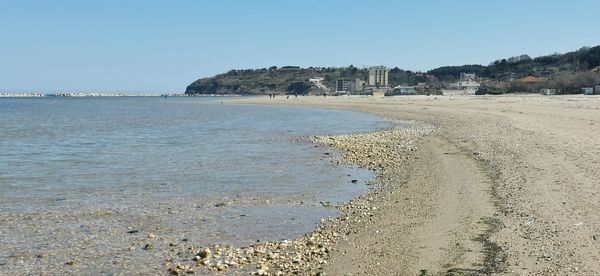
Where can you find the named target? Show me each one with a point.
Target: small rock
(70, 262)
(204, 254)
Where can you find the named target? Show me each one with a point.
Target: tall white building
(378, 76)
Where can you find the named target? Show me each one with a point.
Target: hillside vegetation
(566, 72)
(545, 66)
(288, 79)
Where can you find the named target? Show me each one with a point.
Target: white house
(404, 90)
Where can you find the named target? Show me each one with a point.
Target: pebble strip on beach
(383, 151)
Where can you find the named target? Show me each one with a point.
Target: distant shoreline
(81, 95)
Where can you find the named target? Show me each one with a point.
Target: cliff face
(259, 81)
(289, 79)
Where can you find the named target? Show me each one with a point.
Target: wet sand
(503, 185)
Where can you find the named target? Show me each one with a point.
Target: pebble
(384, 151)
(204, 254)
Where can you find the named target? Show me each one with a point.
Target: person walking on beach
(324, 94)
(270, 96)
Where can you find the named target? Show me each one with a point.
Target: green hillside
(567, 72)
(548, 66)
(288, 79)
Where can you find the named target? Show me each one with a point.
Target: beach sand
(486, 185)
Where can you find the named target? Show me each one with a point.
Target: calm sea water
(59, 152)
(102, 166)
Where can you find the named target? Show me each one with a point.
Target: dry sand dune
(505, 185)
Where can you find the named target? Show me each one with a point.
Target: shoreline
(138, 235)
(527, 166)
(340, 245)
(309, 253)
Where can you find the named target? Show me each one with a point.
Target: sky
(162, 46)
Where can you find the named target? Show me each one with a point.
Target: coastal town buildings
(467, 85)
(342, 86)
(588, 90)
(349, 87)
(469, 82)
(548, 91)
(378, 76)
(404, 90)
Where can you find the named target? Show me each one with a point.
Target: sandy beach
(472, 185)
(484, 185)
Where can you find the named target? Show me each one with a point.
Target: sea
(92, 177)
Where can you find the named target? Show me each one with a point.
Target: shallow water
(78, 174)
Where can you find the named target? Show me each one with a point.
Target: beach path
(432, 223)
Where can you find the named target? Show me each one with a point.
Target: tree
(298, 88)
(434, 82)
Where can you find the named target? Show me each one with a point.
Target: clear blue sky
(156, 46)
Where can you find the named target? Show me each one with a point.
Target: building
(548, 91)
(467, 85)
(597, 90)
(342, 86)
(588, 90)
(404, 90)
(378, 76)
(468, 82)
(455, 92)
